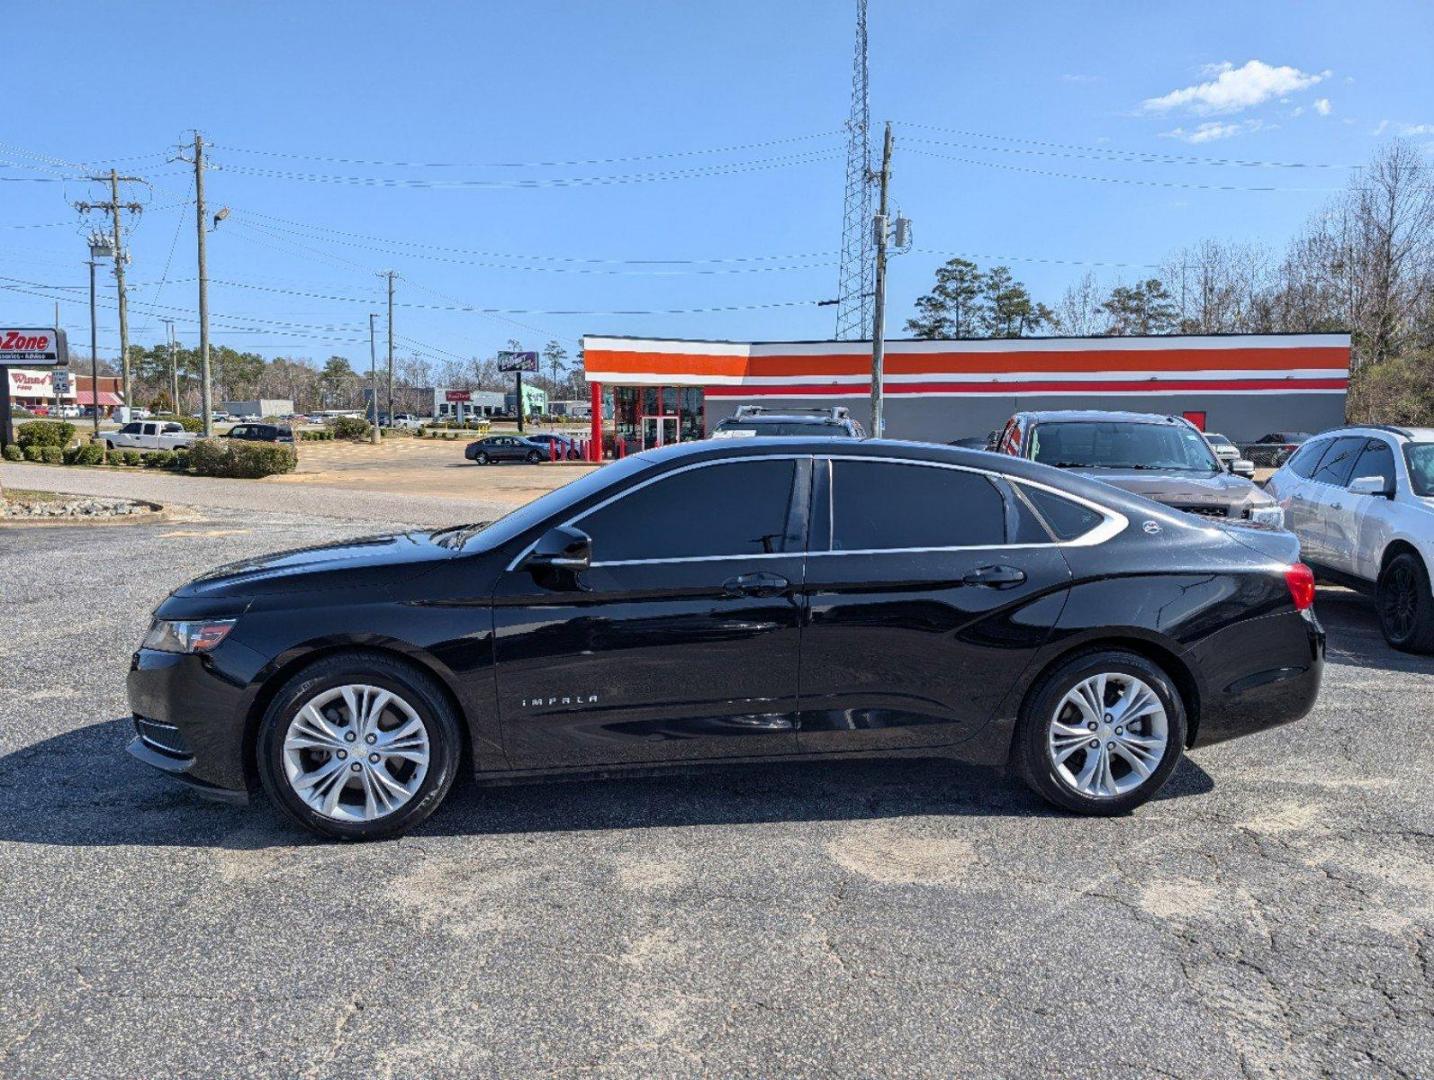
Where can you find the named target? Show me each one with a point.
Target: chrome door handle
(995, 577)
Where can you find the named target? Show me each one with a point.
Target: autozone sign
(33, 346)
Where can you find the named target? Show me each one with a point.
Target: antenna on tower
(854, 285)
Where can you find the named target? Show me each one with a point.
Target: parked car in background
(1229, 455)
(749, 599)
(148, 435)
(752, 420)
(274, 433)
(406, 421)
(1164, 458)
(493, 449)
(567, 449)
(1274, 449)
(1361, 500)
(977, 442)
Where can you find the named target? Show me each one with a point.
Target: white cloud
(1075, 77)
(1410, 130)
(1212, 130)
(1233, 89)
(1381, 128)
(1322, 106)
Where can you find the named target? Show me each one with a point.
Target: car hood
(1184, 489)
(350, 564)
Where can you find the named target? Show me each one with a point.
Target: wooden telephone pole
(114, 207)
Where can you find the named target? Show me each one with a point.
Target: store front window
(649, 416)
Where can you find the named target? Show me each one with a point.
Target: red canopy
(85, 397)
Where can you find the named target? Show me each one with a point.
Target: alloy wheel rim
(356, 753)
(1400, 602)
(1108, 735)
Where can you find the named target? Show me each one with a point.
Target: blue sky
(471, 87)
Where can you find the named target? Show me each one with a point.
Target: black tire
(481, 458)
(1406, 610)
(421, 692)
(533, 457)
(1034, 758)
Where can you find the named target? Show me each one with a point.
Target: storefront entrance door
(658, 431)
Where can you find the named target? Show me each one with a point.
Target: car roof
(1086, 415)
(1410, 434)
(790, 418)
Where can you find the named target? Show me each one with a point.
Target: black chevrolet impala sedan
(735, 600)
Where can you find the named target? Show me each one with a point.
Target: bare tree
(1219, 287)
(1079, 311)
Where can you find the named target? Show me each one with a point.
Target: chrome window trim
(1113, 523)
(663, 476)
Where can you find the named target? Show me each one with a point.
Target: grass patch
(27, 495)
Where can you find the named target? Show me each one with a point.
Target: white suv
(1361, 500)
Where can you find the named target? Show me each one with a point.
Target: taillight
(1300, 579)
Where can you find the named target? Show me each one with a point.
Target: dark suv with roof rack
(753, 420)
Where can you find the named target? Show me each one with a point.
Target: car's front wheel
(1406, 608)
(481, 458)
(359, 747)
(533, 457)
(1101, 733)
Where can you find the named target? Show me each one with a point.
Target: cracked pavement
(1270, 915)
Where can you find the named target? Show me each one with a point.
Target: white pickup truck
(148, 435)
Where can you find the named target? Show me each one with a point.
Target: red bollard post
(552, 450)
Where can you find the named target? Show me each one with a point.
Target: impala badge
(559, 699)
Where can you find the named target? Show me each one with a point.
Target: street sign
(60, 382)
(458, 395)
(34, 348)
(518, 361)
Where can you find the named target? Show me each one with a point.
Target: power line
(530, 164)
(1181, 184)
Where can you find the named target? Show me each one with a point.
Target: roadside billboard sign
(458, 395)
(518, 361)
(33, 347)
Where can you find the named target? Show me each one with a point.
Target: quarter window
(1066, 519)
(883, 506)
(1307, 457)
(733, 509)
(1335, 466)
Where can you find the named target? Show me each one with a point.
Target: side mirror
(563, 547)
(1371, 485)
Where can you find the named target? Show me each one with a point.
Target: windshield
(796, 428)
(492, 534)
(1420, 457)
(1092, 444)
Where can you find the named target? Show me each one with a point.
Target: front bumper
(189, 713)
(1260, 673)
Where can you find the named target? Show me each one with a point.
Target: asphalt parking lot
(1270, 915)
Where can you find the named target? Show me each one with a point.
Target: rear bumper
(1259, 674)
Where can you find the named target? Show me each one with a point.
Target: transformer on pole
(856, 275)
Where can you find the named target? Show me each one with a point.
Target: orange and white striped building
(1240, 385)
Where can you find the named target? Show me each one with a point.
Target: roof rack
(833, 412)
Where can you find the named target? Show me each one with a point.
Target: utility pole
(113, 208)
(99, 249)
(390, 275)
(878, 319)
(373, 375)
(173, 366)
(206, 385)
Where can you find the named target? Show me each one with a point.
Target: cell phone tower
(854, 287)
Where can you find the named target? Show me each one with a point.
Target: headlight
(1268, 515)
(186, 636)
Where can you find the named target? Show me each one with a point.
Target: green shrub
(159, 459)
(241, 460)
(13, 453)
(52, 455)
(180, 460)
(32, 453)
(45, 433)
(350, 427)
(189, 423)
(321, 435)
(85, 454)
(129, 457)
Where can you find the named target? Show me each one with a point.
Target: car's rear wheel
(359, 747)
(1406, 609)
(1101, 733)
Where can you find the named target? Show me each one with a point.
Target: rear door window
(887, 506)
(1337, 464)
(1307, 457)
